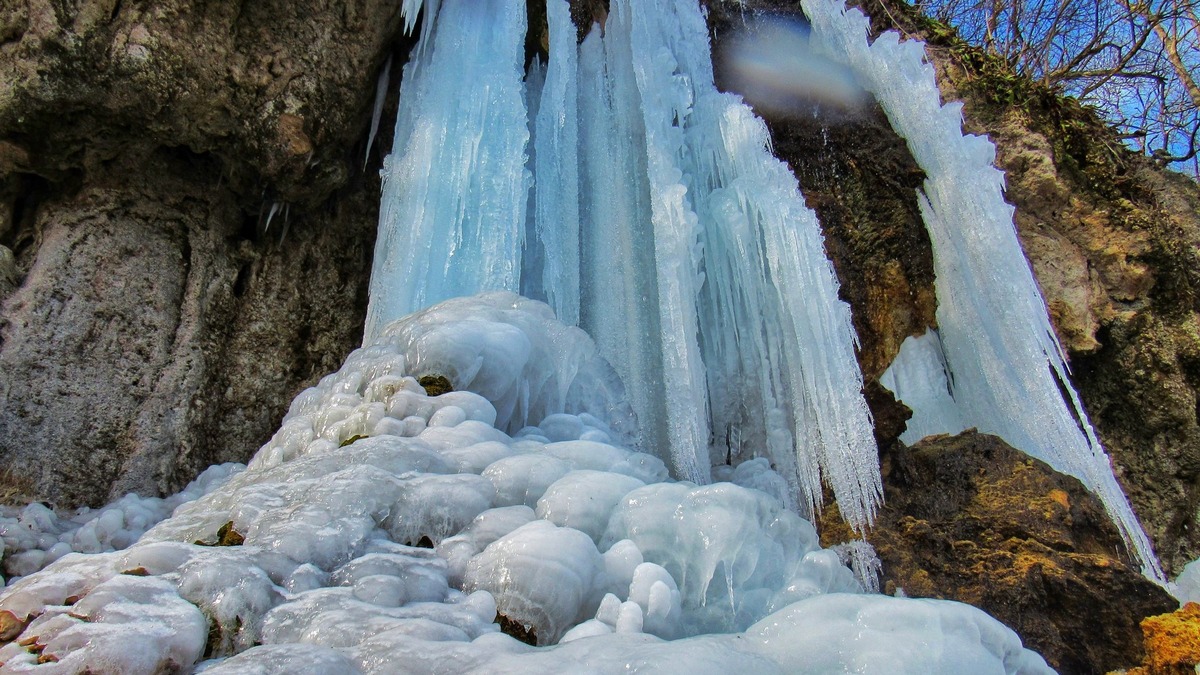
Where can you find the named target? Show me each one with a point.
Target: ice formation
(661, 223)
(1008, 374)
(35, 536)
(455, 184)
(581, 541)
(1187, 585)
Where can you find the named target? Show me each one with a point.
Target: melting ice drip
(660, 222)
(1007, 372)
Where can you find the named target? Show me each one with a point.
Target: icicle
(556, 211)
(778, 345)
(452, 216)
(412, 8)
(1000, 349)
(666, 96)
(618, 278)
(270, 215)
(689, 254)
(380, 97)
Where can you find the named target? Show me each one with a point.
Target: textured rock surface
(153, 336)
(274, 88)
(150, 322)
(1172, 643)
(969, 518)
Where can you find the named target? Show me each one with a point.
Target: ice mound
(510, 362)
(306, 560)
(35, 536)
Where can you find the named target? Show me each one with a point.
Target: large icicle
(452, 216)
(556, 158)
(618, 278)
(761, 331)
(661, 223)
(778, 343)
(666, 96)
(1008, 369)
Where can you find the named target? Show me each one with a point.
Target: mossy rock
(436, 385)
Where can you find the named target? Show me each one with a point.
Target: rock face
(185, 228)
(971, 519)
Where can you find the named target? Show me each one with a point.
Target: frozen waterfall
(389, 527)
(661, 223)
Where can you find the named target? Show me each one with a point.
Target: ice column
(778, 342)
(665, 88)
(1009, 372)
(660, 222)
(452, 215)
(618, 277)
(556, 161)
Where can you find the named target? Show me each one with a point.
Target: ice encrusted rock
(324, 580)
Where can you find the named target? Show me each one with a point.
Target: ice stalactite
(665, 92)
(455, 186)
(1009, 373)
(777, 344)
(556, 193)
(618, 277)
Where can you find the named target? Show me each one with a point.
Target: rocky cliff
(186, 229)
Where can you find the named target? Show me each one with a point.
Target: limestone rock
(157, 332)
(969, 518)
(185, 228)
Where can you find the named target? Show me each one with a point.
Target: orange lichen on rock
(1061, 498)
(1172, 642)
